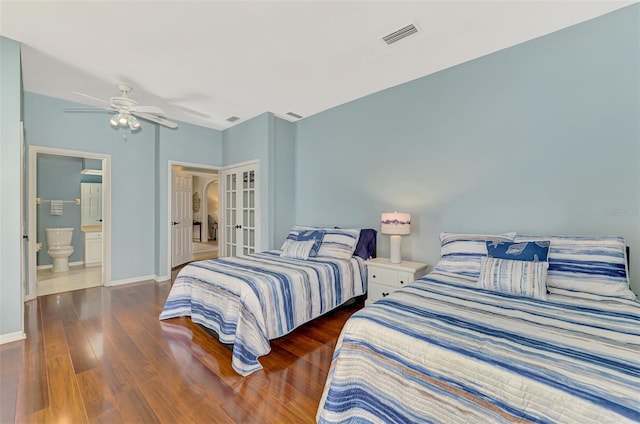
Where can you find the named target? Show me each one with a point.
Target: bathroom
(74, 186)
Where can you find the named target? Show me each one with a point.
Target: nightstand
(385, 277)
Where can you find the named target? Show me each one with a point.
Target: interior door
(91, 203)
(240, 210)
(181, 218)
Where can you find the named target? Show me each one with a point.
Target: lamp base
(394, 254)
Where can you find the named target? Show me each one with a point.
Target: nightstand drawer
(379, 291)
(384, 277)
(389, 277)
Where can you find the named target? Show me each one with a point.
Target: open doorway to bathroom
(66, 217)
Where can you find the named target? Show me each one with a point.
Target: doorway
(55, 202)
(193, 213)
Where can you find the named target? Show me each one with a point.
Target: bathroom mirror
(90, 204)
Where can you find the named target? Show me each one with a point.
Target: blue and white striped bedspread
(442, 350)
(249, 300)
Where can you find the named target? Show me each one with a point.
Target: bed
(445, 349)
(249, 300)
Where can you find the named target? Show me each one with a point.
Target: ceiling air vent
(295, 115)
(232, 118)
(399, 34)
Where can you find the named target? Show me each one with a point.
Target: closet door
(240, 209)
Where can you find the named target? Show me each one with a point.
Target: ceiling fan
(126, 110)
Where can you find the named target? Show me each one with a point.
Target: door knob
(174, 223)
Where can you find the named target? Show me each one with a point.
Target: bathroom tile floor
(78, 277)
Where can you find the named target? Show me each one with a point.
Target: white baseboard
(77, 263)
(131, 280)
(12, 337)
(161, 278)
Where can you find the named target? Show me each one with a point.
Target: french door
(240, 210)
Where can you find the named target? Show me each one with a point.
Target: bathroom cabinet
(92, 249)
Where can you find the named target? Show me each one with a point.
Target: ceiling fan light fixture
(134, 124)
(123, 119)
(114, 121)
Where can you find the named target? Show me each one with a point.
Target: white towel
(56, 207)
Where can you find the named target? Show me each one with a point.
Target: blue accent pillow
(366, 246)
(519, 251)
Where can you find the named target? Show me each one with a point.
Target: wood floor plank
(66, 401)
(11, 357)
(102, 355)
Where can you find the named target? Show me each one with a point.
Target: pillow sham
(462, 253)
(366, 246)
(339, 242)
(590, 264)
(522, 251)
(304, 234)
(525, 278)
(297, 249)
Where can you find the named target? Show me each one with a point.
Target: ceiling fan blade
(91, 97)
(149, 109)
(156, 119)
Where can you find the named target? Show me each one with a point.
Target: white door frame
(106, 210)
(171, 163)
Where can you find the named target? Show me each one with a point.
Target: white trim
(106, 211)
(12, 337)
(77, 263)
(131, 280)
(171, 163)
(162, 278)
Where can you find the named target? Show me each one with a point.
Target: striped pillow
(526, 278)
(339, 242)
(590, 264)
(297, 249)
(303, 234)
(462, 253)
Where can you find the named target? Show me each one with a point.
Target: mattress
(443, 350)
(249, 300)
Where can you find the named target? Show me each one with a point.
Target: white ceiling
(204, 61)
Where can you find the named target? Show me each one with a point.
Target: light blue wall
(284, 179)
(271, 140)
(59, 178)
(10, 197)
(189, 144)
(138, 180)
(250, 140)
(540, 138)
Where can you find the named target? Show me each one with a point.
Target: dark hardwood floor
(102, 355)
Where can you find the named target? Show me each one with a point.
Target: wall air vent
(295, 115)
(399, 34)
(232, 118)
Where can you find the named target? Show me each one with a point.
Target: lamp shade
(398, 223)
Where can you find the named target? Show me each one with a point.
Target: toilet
(60, 248)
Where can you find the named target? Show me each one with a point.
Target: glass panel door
(248, 211)
(240, 210)
(230, 214)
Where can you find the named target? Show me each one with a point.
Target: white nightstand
(385, 277)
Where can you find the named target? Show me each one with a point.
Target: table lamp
(397, 224)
